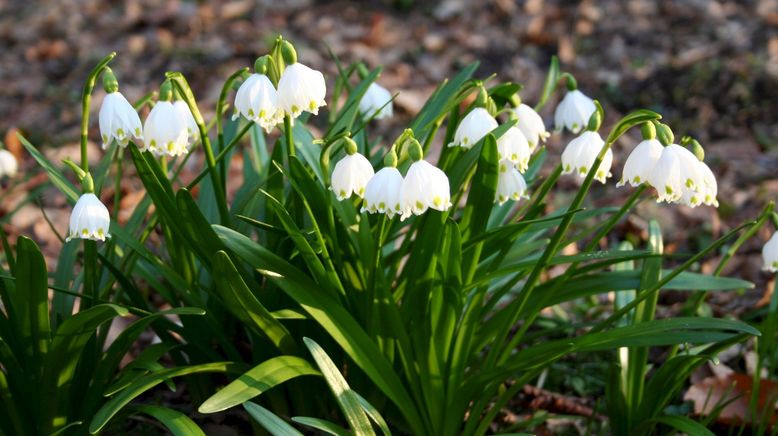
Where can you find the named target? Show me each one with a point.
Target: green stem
(220, 157)
(288, 135)
(90, 273)
(86, 98)
(220, 106)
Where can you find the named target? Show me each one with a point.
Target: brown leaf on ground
(734, 393)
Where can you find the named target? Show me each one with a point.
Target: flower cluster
(423, 187)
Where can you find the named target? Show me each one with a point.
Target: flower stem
(86, 98)
(288, 135)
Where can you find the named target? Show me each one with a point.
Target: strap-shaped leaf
(176, 422)
(270, 421)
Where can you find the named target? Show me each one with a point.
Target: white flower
(473, 127)
(678, 177)
(514, 147)
(351, 175)
(531, 125)
(580, 154)
(382, 193)
(641, 162)
(118, 120)
(510, 184)
(192, 131)
(710, 187)
(425, 186)
(257, 100)
(89, 220)
(8, 164)
(301, 89)
(770, 254)
(376, 101)
(165, 131)
(573, 111)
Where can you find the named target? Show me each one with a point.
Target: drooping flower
(8, 164)
(678, 177)
(710, 187)
(165, 132)
(118, 121)
(474, 126)
(510, 184)
(580, 154)
(192, 131)
(376, 103)
(351, 174)
(531, 125)
(257, 101)
(770, 254)
(301, 89)
(641, 162)
(425, 186)
(573, 111)
(382, 193)
(513, 146)
(89, 220)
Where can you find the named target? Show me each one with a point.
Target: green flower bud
(288, 52)
(87, 184)
(351, 146)
(694, 146)
(648, 131)
(572, 84)
(414, 150)
(595, 121)
(664, 134)
(260, 65)
(166, 91)
(483, 97)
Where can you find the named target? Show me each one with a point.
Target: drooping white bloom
(770, 254)
(257, 101)
(710, 187)
(474, 126)
(678, 177)
(192, 131)
(580, 154)
(382, 193)
(574, 111)
(513, 146)
(510, 184)
(89, 220)
(425, 186)
(531, 125)
(351, 175)
(8, 164)
(118, 121)
(301, 89)
(165, 131)
(376, 101)
(641, 162)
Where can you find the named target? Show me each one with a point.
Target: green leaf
(256, 381)
(270, 421)
(31, 298)
(348, 403)
(244, 305)
(373, 413)
(482, 191)
(322, 425)
(331, 315)
(176, 422)
(57, 178)
(632, 119)
(143, 384)
(550, 84)
(681, 423)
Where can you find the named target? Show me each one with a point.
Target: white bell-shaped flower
(641, 162)
(574, 111)
(710, 188)
(118, 121)
(473, 127)
(165, 132)
(257, 101)
(301, 89)
(510, 183)
(770, 254)
(8, 164)
(351, 175)
(513, 146)
(376, 103)
(580, 154)
(192, 131)
(531, 125)
(678, 177)
(89, 220)
(425, 186)
(382, 193)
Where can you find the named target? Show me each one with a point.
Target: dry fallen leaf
(735, 391)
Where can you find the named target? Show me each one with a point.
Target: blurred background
(711, 67)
